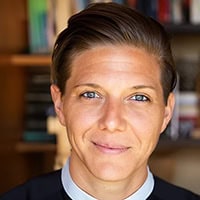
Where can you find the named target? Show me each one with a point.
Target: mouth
(110, 149)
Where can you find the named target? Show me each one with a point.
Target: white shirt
(76, 193)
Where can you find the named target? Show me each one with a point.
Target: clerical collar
(75, 193)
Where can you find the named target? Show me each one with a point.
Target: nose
(112, 118)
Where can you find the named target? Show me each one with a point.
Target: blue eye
(89, 95)
(140, 97)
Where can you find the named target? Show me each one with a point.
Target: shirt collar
(75, 193)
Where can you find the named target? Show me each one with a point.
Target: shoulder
(165, 191)
(42, 187)
(49, 180)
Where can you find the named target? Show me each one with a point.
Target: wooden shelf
(27, 147)
(168, 146)
(23, 60)
(182, 28)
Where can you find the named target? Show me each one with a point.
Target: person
(113, 77)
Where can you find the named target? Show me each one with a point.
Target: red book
(164, 11)
(132, 3)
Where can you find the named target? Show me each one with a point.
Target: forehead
(116, 59)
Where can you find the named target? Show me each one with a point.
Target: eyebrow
(133, 87)
(143, 87)
(88, 85)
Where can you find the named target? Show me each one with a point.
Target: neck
(105, 189)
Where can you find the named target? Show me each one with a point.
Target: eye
(90, 95)
(140, 97)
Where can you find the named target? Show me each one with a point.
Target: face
(114, 112)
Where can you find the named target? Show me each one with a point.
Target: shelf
(23, 60)
(27, 147)
(168, 146)
(182, 28)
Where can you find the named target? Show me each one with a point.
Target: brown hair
(111, 23)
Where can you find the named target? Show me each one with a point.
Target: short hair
(116, 24)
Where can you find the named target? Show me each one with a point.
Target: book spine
(164, 11)
(177, 12)
(38, 106)
(195, 12)
(37, 11)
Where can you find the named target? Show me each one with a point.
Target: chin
(110, 173)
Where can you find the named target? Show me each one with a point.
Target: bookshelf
(14, 62)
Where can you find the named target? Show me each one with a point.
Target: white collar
(76, 193)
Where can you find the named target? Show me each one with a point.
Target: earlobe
(58, 104)
(168, 110)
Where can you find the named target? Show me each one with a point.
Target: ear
(169, 108)
(58, 104)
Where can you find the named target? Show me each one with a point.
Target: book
(188, 70)
(37, 104)
(38, 136)
(164, 12)
(177, 12)
(188, 113)
(37, 16)
(195, 12)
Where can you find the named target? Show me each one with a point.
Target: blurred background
(31, 141)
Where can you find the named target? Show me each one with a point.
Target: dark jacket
(49, 187)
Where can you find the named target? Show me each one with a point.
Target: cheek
(146, 128)
(79, 120)
(146, 122)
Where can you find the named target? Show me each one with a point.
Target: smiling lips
(111, 149)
